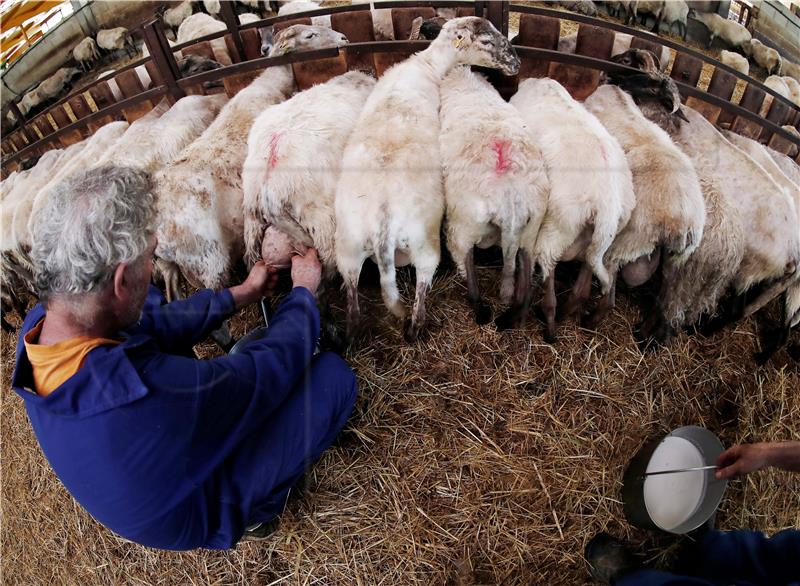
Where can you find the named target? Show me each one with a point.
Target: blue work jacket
(139, 435)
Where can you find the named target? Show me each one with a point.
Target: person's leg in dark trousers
(261, 472)
(735, 557)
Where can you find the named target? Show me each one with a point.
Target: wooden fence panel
(357, 27)
(581, 82)
(540, 32)
(310, 73)
(403, 17)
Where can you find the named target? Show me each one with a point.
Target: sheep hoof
(550, 337)
(590, 322)
(506, 321)
(483, 314)
(761, 358)
(410, 331)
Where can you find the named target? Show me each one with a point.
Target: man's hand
(746, 458)
(307, 270)
(259, 283)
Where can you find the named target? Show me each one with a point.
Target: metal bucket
(633, 498)
(253, 334)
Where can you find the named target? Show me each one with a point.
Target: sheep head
(651, 85)
(477, 42)
(301, 37)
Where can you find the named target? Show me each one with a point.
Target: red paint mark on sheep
(272, 158)
(502, 149)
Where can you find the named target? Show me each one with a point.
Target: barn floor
(473, 457)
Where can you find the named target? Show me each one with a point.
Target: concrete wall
(779, 28)
(55, 49)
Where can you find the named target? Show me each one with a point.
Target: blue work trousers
(740, 558)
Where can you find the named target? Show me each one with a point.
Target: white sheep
(86, 53)
(200, 25)
(293, 164)
(173, 17)
(772, 239)
(787, 165)
(675, 12)
(586, 7)
(50, 89)
(200, 192)
(591, 190)
(729, 31)
(389, 201)
(212, 6)
(738, 62)
(764, 56)
(777, 84)
(791, 69)
(114, 39)
(645, 7)
(669, 215)
(791, 312)
(496, 186)
(794, 89)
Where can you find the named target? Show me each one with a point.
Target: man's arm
(189, 321)
(236, 394)
(746, 458)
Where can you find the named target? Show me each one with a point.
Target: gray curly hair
(90, 224)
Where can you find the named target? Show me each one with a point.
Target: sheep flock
(429, 162)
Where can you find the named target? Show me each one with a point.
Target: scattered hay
(472, 457)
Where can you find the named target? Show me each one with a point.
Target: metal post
(497, 13)
(164, 60)
(228, 15)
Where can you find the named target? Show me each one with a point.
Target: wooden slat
(129, 83)
(80, 107)
(403, 17)
(235, 83)
(310, 73)
(201, 50)
(252, 43)
(686, 69)
(44, 125)
(384, 61)
(541, 32)
(653, 47)
(581, 82)
(782, 145)
(102, 95)
(356, 26)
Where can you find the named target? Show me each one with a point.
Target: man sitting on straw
(167, 451)
(715, 557)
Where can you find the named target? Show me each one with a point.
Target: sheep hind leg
(331, 335)
(388, 272)
(603, 307)
(516, 315)
(483, 314)
(773, 338)
(580, 293)
(549, 307)
(353, 319)
(414, 324)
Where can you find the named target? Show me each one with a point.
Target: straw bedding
(473, 457)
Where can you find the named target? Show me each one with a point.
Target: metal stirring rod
(680, 470)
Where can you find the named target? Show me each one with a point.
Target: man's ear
(121, 280)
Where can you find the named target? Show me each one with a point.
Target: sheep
(787, 165)
(85, 53)
(585, 7)
(389, 200)
(620, 9)
(200, 205)
(675, 11)
(738, 62)
(173, 17)
(695, 286)
(281, 190)
(212, 6)
(200, 25)
(794, 89)
(729, 31)
(791, 69)
(645, 7)
(591, 194)
(114, 39)
(622, 42)
(669, 214)
(791, 310)
(47, 91)
(496, 186)
(777, 84)
(764, 56)
(279, 187)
